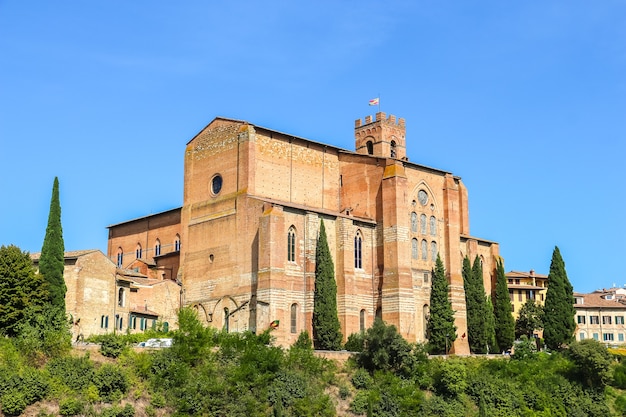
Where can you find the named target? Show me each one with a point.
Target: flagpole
(378, 102)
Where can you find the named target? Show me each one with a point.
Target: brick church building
(243, 243)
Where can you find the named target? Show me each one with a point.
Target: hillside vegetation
(211, 373)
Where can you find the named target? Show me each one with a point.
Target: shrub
(592, 361)
(74, 372)
(361, 379)
(451, 380)
(70, 407)
(304, 341)
(13, 403)
(112, 345)
(524, 349)
(619, 376)
(117, 411)
(386, 349)
(34, 385)
(111, 382)
(344, 392)
(355, 342)
(157, 400)
(360, 403)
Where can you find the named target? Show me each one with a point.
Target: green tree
(440, 328)
(529, 319)
(326, 327)
(476, 303)
(20, 288)
(502, 311)
(559, 312)
(52, 260)
(592, 363)
(490, 327)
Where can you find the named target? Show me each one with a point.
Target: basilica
(242, 245)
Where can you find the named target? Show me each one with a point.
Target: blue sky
(525, 101)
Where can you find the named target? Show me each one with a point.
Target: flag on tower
(374, 101)
(274, 324)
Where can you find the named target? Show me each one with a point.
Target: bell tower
(383, 137)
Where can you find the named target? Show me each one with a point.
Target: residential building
(600, 316)
(525, 286)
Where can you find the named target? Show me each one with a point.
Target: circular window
(216, 184)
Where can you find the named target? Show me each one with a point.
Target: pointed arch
(157, 247)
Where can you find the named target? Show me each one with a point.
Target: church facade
(243, 243)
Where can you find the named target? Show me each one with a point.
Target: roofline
(144, 217)
(326, 145)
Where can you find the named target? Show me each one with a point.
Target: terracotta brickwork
(253, 202)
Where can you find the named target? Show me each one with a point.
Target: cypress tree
(326, 327)
(490, 327)
(559, 312)
(440, 328)
(502, 311)
(476, 303)
(52, 261)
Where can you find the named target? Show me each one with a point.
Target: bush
(111, 382)
(361, 379)
(386, 349)
(592, 363)
(304, 341)
(451, 380)
(112, 345)
(619, 376)
(74, 372)
(355, 342)
(524, 349)
(117, 411)
(13, 403)
(70, 407)
(360, 403)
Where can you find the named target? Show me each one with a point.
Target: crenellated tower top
(384, 136)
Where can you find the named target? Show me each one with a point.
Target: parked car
(156, 343)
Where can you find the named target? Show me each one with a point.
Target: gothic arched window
(393, 149)
(414, 248)
(157, 248)
(433, 226)
(138, 251)
(362, 320)
(423, 224)
(177, 243)
(294, 318)
(291, 244)
(433, 250)
(414, 222)
(424, 250)
(120, 257)
(358, 251)
(370, 147)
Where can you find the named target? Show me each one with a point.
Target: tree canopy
(326, 327)
(52, 259)
(529, 319)
(20, 288)
(476, 304)
(559, 312)
(440, 328)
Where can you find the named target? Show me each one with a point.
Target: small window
(619, 319)
(607, 337)
(580, 319)
(426, 277)
(120, 257)
(596, 336)
(226, 317)
(424, 250)
(294, 318)
(582, 336)
(291, 244)
(138, 251)
(423, 224)
(606, 320)
(414, 248)
(132, 322)
(511, 295)
(142, 324)
(433, 226)
(393, 152)
(519, 295)
(594, 319)
(358, 251)
(620, 337)
(157, 248)
(362, 321)
(433, 251)
(370, 147)
(177, 243)
(414, 222)
(120, 297)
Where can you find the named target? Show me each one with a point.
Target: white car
(156, 343)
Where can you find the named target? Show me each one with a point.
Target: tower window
(157, 248)
(138, 251)
(120, 257)
(120, 297)
(358, 251)
(370, 147)
(393, 149)
(177, 244)
(291, 244)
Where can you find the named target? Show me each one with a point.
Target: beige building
(600, 316)
(247, 230)
(102, 298)
(525, 286)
